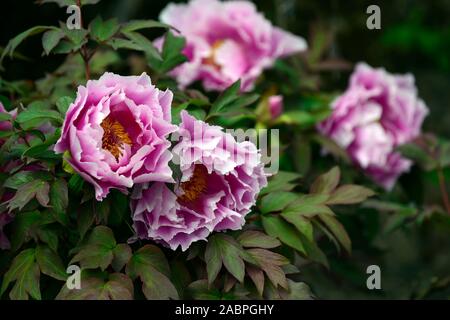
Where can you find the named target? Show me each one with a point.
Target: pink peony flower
(275, 106)
(116, 133)
(220, 181)
(227, 41)
(378, 112)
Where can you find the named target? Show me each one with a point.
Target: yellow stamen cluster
(211, 60)
(114, 137)
(196, 184)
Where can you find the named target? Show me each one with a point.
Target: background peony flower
(227, 41)
(219, 184)
(116, 133)
(275, 106)
(378, 112)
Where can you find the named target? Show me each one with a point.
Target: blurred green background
(414, 37)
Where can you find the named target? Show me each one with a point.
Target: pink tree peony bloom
(378, 112)
(275, 106)
(116, 132)
(227, 41)
(220, 181)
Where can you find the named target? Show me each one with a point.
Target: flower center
(196, 184)
(114, 137)
(211, 60)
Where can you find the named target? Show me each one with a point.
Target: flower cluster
(115, 136)
(227, 41)
(376, 114)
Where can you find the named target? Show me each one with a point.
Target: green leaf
(25, 272)
(257, 276)
(59, 200)
(200, 290)
(50, 263)
(76, 36)
(150, 265)
(171, 55)
(176, 111)
(66, 47)
(399, 218)
(5, 116)
(85, 219)
(143, 43)
(271, 263)
(34, 189)
(229, 95)
(256, 239)
(278, 228)
(27, 225)
(298, 291)
(122, 254)
(63, 104)
(103, 30)
(98, 251)
(134, 25)
(50, 40)
(349, 194)
(313, 252)
(280, 182)
(298, 117)
(419, 155)
(327, 182)
(277, 201)
(76, 183)
(17, 40)
(23, 177)
(47, 234)
(300, 208)
(224, 249)
(118, 286)
(119, 43)
(338, 230)
(332, 147)
(119, 208)
(41, 150)
(32, 118)
(301, 223)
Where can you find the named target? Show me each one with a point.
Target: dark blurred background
(414, 37)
